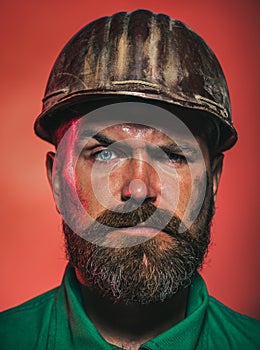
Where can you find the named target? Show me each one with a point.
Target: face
(126, 174)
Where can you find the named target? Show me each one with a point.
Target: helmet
(136, 55)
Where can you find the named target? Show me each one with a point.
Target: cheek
(97, 189)
(176, 191)
(184, 193)
(88, 189)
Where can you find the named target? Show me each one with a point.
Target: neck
(130, 325)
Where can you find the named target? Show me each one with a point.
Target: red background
(32, 34)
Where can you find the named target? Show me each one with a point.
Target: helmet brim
(81, 103)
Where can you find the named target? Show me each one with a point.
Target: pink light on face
(34, 237)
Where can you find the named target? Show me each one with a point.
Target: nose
(141, 182)
(136, 190)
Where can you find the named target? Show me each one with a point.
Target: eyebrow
(168, 149)
(97, 136)
(175, 148)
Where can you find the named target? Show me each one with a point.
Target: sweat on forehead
(178, 124)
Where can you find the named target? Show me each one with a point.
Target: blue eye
(104, 155)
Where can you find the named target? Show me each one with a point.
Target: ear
(217, 165)
(52, 178)
(49, 166)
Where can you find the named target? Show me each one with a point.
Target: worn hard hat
(136, 55)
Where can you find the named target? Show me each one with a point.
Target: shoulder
(27, 322)
(230, 329)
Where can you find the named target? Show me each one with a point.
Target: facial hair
(150, 272)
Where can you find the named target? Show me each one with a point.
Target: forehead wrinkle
(121, 131)
(107, 140)
(136, 127)
(135, 132)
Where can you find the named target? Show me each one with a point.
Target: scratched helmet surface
(136, 55)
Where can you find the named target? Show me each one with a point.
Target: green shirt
(56, 320)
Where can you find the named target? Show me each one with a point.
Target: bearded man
(138, 109)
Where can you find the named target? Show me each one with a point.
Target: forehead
(138, 120)
(135, 135)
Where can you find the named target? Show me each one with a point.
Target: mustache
(131, 215)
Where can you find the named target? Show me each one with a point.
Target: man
(138, 109)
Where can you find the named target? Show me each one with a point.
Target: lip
(139, 230)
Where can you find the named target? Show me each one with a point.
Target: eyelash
(176, 158)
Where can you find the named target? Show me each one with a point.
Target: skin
(138, 176)
(142, 176)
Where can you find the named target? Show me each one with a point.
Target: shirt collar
(71, 326)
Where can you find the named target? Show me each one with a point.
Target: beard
(150, 272)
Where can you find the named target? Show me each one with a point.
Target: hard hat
(136, 55)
